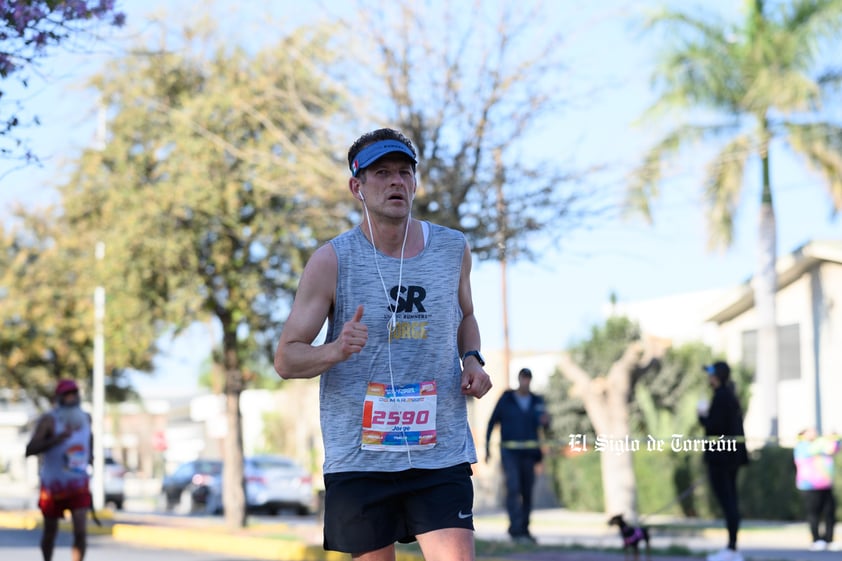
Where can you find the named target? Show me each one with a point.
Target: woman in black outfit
(725, 418)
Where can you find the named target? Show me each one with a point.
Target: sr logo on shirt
(408, 298)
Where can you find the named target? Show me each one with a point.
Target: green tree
(44, 336)
(566, 409)
(47, 279)
(603, 371)
(219, 178)
(757, 86)
(667, 395)
(604, 346)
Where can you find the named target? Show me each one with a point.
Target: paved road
(22, 545)
(554, 527)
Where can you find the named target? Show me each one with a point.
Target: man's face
(388, 185)
(523, 382)
(69, 399)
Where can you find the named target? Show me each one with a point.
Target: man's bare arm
(44, 436)
(475, 381)
(296, 357)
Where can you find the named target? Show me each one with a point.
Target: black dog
(632, 536)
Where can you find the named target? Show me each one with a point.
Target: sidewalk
(672, 538)
(562, 535)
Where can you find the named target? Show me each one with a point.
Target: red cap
(66, 386)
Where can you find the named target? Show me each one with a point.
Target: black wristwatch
(474, 354)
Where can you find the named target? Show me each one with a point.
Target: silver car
(277, 482)
(114, 483)
(273, 483)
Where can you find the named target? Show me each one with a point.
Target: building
(809, 316)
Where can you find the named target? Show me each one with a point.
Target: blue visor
(374, 152)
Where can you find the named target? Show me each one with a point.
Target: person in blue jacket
(520, 413)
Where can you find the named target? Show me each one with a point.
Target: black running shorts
(366, 511)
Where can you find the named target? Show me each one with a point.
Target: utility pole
(98, 491)
(502, 246)
(98, 413)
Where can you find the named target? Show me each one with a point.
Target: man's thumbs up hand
(354, 335)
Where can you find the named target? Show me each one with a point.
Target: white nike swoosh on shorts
(463, 516)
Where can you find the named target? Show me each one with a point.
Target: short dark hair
(376, 136)
(525, 372)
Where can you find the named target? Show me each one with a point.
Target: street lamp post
(98, 490)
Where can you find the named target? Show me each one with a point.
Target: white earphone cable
(391, 325)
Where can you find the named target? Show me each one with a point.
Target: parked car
(114, 482)
(273, 483)
(277, 482)
(191, 481)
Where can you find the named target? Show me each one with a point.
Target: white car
(114, 483)
(273, 483)
(276, 482)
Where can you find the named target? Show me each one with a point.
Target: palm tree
(756, 87)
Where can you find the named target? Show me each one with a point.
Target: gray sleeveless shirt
(423, 349)
(64, 467)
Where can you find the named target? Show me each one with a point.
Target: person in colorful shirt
(814, 457)
(400, 361)
(63, 439)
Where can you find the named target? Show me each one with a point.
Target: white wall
(680, 318)
(830, 337)
(797, 398)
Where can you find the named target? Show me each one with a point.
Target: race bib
(76, 459)
(395, 419)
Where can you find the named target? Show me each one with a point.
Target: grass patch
(486, 548)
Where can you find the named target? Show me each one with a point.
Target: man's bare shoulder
(324, 255)
(322, 262)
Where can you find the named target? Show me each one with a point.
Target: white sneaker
(725, 555)
(818, 545)
(834, 546)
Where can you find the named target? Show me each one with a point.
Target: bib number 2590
(394, 418)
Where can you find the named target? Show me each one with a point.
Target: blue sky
(556, 299)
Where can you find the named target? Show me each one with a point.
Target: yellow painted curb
(248, 546)
(189, 539)
(193, 540)
(32, 520)
(19, 520)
